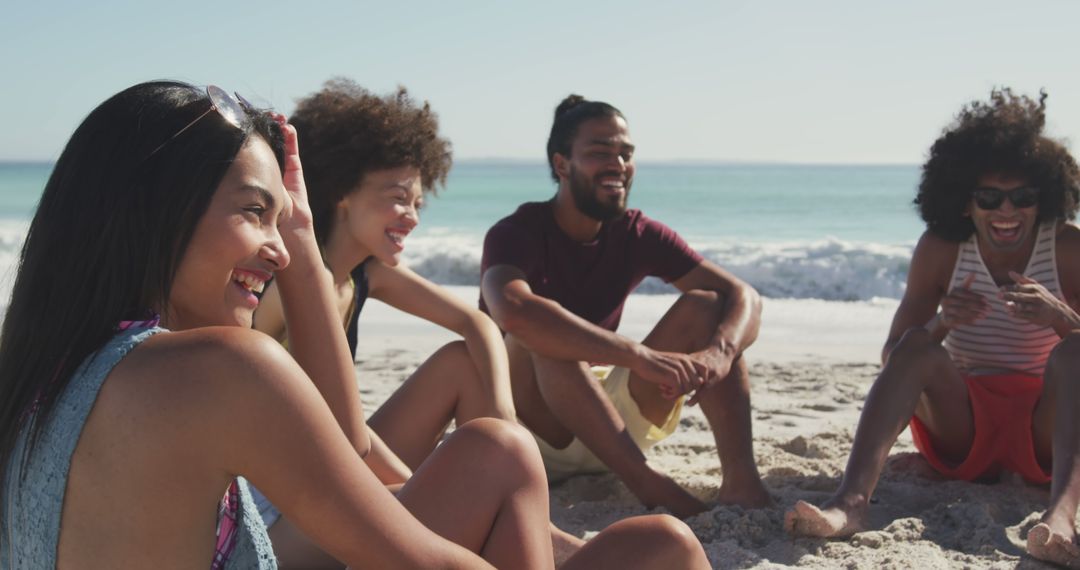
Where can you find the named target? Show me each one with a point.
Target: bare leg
(563, 544)
(529, 402)
(656, 542)
(919, 378)
(295, 550)
(515, 492)
(558, 399)
(445, 387)
(484, 489)
(1055, 422)
(687, 327)
(727, 407)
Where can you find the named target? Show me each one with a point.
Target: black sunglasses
(992, 198)
(230, 108)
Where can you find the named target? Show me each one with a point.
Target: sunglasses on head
(992, 198)
(230, 108)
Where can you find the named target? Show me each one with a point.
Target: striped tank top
(999, 341)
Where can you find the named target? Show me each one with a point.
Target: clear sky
(845, 81)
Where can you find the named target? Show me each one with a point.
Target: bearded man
(556, 275)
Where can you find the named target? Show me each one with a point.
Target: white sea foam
(828, 269)
(12, 234)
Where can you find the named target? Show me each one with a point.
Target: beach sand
(810, 371)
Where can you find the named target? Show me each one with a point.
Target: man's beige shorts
(576, 458)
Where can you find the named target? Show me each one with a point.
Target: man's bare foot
(563, 544)
(756, 497)
(1057, 547)
(827, 522)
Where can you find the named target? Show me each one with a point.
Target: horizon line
(517, 161)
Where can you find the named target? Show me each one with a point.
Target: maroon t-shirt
(593, 279)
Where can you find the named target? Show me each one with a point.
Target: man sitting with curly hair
(970, 361)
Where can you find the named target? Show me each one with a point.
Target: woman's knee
(455, 364)
(454, 353)
(917, 362)
(675, 533)
(1064, 361)
(917, 347)
(668, 539)
(1067, 352)
(506, 447)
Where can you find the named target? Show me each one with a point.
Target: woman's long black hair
(113, 222)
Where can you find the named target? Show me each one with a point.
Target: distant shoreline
(691, 162)
(684, 162)
(27, 162)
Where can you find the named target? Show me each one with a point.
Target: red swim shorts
(1002, 406)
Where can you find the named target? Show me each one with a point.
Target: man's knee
(700, 303)
(689, 323)
(704, 297)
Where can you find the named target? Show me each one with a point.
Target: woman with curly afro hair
(1004, 135)
(369, 162)
(982, 348)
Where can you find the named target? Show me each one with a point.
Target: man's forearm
(548, 329)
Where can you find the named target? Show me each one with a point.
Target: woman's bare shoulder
(202, 371)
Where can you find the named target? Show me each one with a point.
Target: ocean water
(837, 232)
(815, 232)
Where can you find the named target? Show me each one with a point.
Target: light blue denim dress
(33, 492)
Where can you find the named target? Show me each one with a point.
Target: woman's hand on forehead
(296, 215)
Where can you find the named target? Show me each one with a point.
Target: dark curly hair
(571, 112)
(1004, 135)
(345, 131)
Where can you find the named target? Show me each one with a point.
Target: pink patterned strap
(227, 526)
(152, 322)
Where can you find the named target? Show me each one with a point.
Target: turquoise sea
(835, 232)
